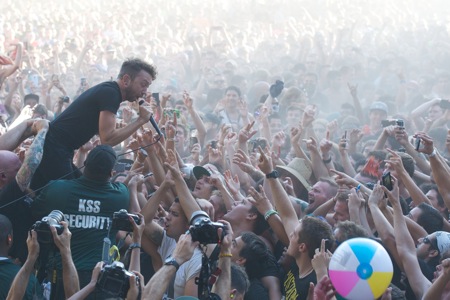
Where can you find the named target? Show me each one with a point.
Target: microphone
(153, 122)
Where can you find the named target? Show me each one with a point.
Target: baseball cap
(378, 105)
(31, 96)
(206, 170)
(101, 159)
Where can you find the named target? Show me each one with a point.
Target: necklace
(306, 274)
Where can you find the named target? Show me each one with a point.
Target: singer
(94, 112)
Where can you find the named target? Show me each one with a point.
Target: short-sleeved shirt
(186, 271)
(88, 207)
(295, 287)
(8, 271)
(77, 124)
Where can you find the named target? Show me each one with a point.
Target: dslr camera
(114, 279)
(398, 122)
(42, 227)
(204, 230)
(121, 220)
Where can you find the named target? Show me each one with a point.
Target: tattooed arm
(33, 155)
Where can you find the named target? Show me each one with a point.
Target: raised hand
(232, 183)
(265, 162)
(427, 142)
(243, 161)
(246, 133)
(259, 200)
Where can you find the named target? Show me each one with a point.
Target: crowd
(138, 141)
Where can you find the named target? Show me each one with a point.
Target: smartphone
(83, 81)
(213, 144)
(119, 167)
(148, 175)
(386, 180)
(156, 97)
(192, 141)
(345, 134)
(171, 111)
(445, 104)
(417, 144)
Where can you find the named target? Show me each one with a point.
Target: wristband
(170, 139)
(326, 161)
(225, 255)
(433, 154)
(270, 213)
(134, 246)
(358, 187)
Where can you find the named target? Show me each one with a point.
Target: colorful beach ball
(360, 268)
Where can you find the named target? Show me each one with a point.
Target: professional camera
(44, 235)
(114, 279)
(204, 230)
(121, 220)
(399, 123)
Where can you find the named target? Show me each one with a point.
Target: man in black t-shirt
(94, 112)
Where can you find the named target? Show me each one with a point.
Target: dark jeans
(56, 163)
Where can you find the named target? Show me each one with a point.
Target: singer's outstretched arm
(109, 135)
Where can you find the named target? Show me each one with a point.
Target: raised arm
(280, 197)
(33, 155)
(4, 73)
(19, 285)
(439, 166)
(405, 246)
(187, 201)
(382, 225)
(160, 280)
(107, 125)
(70, 275)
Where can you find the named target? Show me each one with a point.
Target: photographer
(133, 292)
(183, 252)
(20, 288)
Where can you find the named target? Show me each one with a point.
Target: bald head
(9, 166)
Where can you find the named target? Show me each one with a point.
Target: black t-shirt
(79, 122)
(295, 287)
(256, 291)
(19, 213)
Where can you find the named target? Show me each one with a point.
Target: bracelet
(358, 187)
(170, 140)
(225, 255)
(433, 154)
(270, 213)
(327, 161)
(134, 246)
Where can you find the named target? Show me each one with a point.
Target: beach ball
(360, 268)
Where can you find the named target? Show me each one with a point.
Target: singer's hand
(145, 111)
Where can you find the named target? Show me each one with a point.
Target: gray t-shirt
(187, 271)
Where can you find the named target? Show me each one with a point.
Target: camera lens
(54, 217)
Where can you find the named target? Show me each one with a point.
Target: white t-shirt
(188, 270)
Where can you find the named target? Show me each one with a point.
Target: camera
(398, 122)
(42, 227)
(65, 99)
(204, 230)
(444, 104)
(114, 279)
(386, 180)
(121, 220)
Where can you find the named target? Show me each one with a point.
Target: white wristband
(433, 154)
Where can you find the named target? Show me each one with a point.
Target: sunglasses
(426, 240)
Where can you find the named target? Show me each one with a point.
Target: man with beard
(94, 112)
(320, 193)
